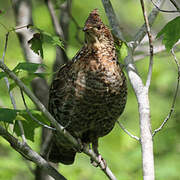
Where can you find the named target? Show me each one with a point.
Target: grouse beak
(85, 29)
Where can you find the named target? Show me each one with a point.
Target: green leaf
(51, 39)
(121, 49)
(8, 115)
(36, 44)
(2, 75)
(27, 66)
(27, 79)
(170, 33)
(29, 128)
(29, 124)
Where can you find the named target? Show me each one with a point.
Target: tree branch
(127, 132)
(175, 4)
(36, 101)
(148, 81)
(10, 93)
(141, 93)
(27, 152)
(113, 19)
(32, 117)
(55, 20)
(167, 11)
(142, 31)
(95, 158)
(60, 129)
(174, 98)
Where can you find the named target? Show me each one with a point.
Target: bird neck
(103, 47)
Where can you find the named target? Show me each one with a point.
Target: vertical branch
(175, 95)
(141, 93)
(10, 93)
(175, 4)
(148, 82)
(27, 152)
(113, 19)
(39, 85)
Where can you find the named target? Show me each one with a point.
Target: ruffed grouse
(89, 93)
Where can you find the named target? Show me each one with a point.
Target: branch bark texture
(141, 91)
(27, 152)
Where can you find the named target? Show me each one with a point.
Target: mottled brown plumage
(89, 93)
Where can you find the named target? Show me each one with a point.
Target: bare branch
(142, 31)
(36, 101)
(113, 19)
(55, 20)
(175, 4)
(95, 158)
(27, 152)
(166, 11)
(32, 117)
(127, 132)
(10, 93)
(174, 98)
(142, 98)
(148, 81)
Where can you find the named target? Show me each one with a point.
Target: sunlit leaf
(28, 66)
(36, 44)
(29, 125)
(121, 49)
(170, 33)
(27, 79)
(2, 75)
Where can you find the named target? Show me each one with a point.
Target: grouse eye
(98, 27)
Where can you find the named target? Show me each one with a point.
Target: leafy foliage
(36, 44)
(31, 68)
(2, 75)
(38, 39)
(7, 115)
(170, 33)
(27, 66)
(29, 125)
(121, 49)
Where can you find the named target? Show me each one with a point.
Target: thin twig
(174, 98)
(166, 11)
(175, 4)
(5, 46)
(148, 81)
(113, 21)
(10, 93)
(55, 20)
(95, 158)
(28, 153)
(30, 114)
(142, 31)
(127, 132)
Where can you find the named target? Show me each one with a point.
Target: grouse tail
(60, 153)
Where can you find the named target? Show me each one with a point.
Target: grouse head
(95, 30)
